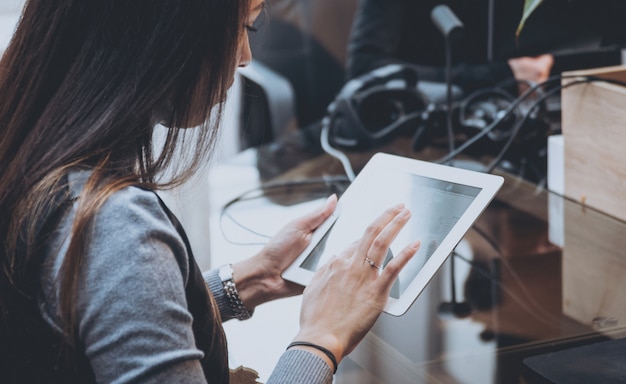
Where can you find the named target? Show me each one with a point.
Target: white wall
(191, 202)
(10, 5)
(9, 14)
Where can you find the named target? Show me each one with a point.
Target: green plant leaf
(529, 7)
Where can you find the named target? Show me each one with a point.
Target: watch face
(225, 272)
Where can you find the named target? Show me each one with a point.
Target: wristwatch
(226, 277)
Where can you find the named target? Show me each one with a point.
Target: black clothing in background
(305, 41)
(391, 31)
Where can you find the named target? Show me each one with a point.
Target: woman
(98, 283)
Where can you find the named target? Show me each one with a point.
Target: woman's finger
(375, 228)
(309, 222)
(393, 268)
(379, 248)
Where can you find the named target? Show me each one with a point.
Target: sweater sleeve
(132, 312)
(303, 367)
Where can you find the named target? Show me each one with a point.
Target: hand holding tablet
(444, 202)
(346, 296)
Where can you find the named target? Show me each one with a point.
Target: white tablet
(444, 202)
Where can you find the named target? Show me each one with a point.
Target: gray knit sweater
(132, 314)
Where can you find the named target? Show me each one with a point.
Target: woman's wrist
(321, 351)
(325, 341)
(254, 285)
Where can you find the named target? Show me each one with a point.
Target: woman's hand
(347, 294)
(535, 70)
(258, 279)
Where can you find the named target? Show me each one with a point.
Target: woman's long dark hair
(82, 84)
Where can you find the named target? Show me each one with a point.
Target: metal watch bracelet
(226, 277)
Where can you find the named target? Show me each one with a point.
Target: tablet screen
(436, 206)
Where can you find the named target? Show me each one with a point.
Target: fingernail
(416, 244)
(331, 197)
(405, 213)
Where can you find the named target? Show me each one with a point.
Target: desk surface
(537, 272)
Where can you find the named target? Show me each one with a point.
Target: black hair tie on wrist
(319, 348)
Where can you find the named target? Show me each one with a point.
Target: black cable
(263, 189)
(513, 81)
(449, 127)
(495, 123)
(482, 93)
(518, 126)
(518, 101)
(604, 80)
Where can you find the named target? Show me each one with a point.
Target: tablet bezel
(488, 184)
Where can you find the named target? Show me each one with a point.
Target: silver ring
(372, 263)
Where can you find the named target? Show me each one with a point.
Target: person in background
(98, 283)
(559, 35)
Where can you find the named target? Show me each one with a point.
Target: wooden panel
(594, 131)
(594, 268)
